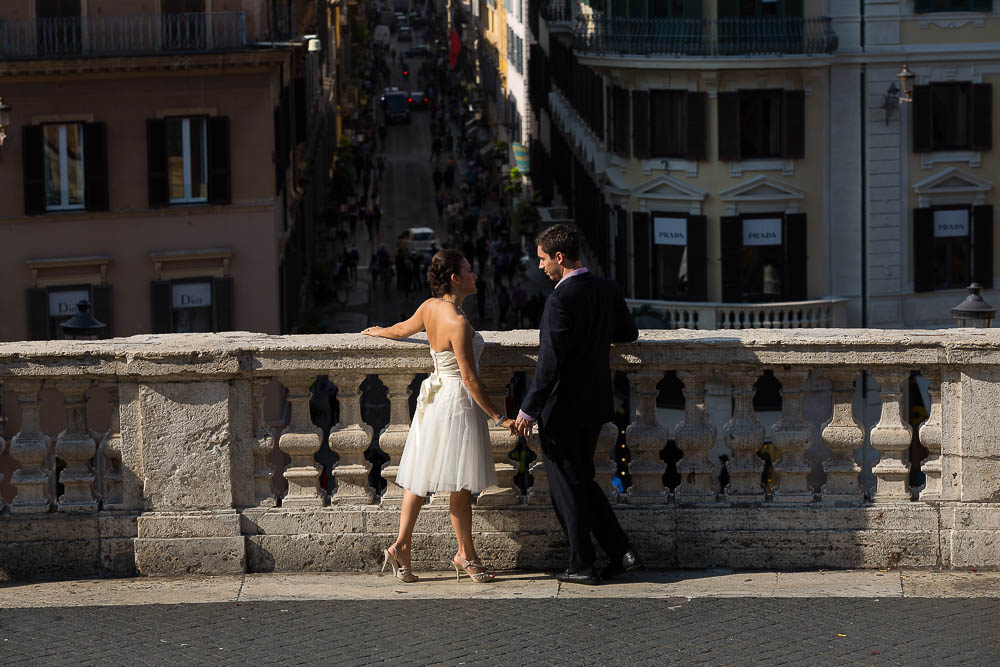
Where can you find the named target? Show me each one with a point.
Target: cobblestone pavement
(719, 631)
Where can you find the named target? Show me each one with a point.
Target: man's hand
(524, 426)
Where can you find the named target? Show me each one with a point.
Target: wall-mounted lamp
(893, 96)
(5, 110)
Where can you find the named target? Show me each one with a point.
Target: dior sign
(192, 295)
(64, 303)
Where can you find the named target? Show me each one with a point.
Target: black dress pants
(580, 503)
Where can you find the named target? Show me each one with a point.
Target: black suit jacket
(572, 382)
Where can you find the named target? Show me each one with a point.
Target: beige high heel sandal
(402, 573)
(483, 577)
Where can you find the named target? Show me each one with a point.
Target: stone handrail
(830, 312)
(184, 475)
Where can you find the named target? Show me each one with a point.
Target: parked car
(418, 100)
(397, 108)
(384, 98)
(404, 34)
(417, 51)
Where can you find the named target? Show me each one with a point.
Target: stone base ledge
(190, 555)
(170, 525)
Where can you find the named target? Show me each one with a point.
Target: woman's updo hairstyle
(444, 265)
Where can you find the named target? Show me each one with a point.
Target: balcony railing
(122, 35)
(703, 37)
(816, 314)
(183, 474)
(557, 11)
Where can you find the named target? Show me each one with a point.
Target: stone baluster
(538, 494)
(349, 439)
(263, 443)
(111, 449)
(300, 441)
(695, 436)
(792, 437)
(645, 437)
(32, 449)
(931, 437)
(842, 435)
(392, 438)
(892, 437)
(744, 435)
(76, 446)
(501, 443)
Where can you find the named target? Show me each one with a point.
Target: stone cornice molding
(143, 65)
(952, 186)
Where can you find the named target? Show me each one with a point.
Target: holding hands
(522, 427)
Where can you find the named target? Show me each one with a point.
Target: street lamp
(82, 326)
(5, 110)
(893, 95)
(974, 311)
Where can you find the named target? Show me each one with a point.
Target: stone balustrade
(185, 474)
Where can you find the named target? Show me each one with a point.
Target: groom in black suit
(570, 398)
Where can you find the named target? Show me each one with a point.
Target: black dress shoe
(628, 563)
(585, 578)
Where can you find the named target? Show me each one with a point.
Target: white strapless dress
(448, 447)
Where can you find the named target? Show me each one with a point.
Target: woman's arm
(461, 341)
(400, 330)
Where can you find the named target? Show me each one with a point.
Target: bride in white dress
(448, 446)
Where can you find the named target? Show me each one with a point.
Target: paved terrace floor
(715, 617)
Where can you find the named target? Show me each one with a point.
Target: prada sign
(950, 223)
(670, 231)
(762, 231)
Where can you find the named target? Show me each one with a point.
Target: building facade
(744, 163)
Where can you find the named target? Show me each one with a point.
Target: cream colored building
(732, 163)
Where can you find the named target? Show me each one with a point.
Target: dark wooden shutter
(621, 250)
(620, 119)
(95, 156)
(729, 9)
(982, 5)
(156, 156)
(697, 257)
(161, 306)
(219, 191)
(982, 117)
(729, 125)
(33, 166)
(793, 109)
(640, 123)
(278, 159)
(100, 300)
(222, 304)
(923, 249)
(692, 9)
(731, 233)
(641, 236)
(982, 245)
(38, 314)
(796, 278)
(923, 141)
(697, 139)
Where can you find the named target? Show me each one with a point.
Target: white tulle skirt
(448, 447)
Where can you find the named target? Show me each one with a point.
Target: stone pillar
(892, 437)
(189, 525)
(931, 437)
(392, 438)
(349, 439)
(646, 436)
(111, 448)
(30, 447)
(76, 446)
(792, 437)
(695, 436)
(501, 443)
(842, 435)
(744, 435)
(262, 442)
(300, 440)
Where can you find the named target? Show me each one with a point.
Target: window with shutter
(63, 155)
(697, 258)
(218, 161)
(763, 268)
(923, 250)
(620, 121)
(696, 134)
(160, 307)
(38, 313)
(731, 236)
(640, 123)
(760, 123)
(922, 141)
(670, 257)
(223, 304)
(982, 245)
(667, 127)
(952, 115)
(942, 239)
(982, 116)
(796, 278)
(156, 157)
(793, 109)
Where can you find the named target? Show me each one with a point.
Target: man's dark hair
(560, 238)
